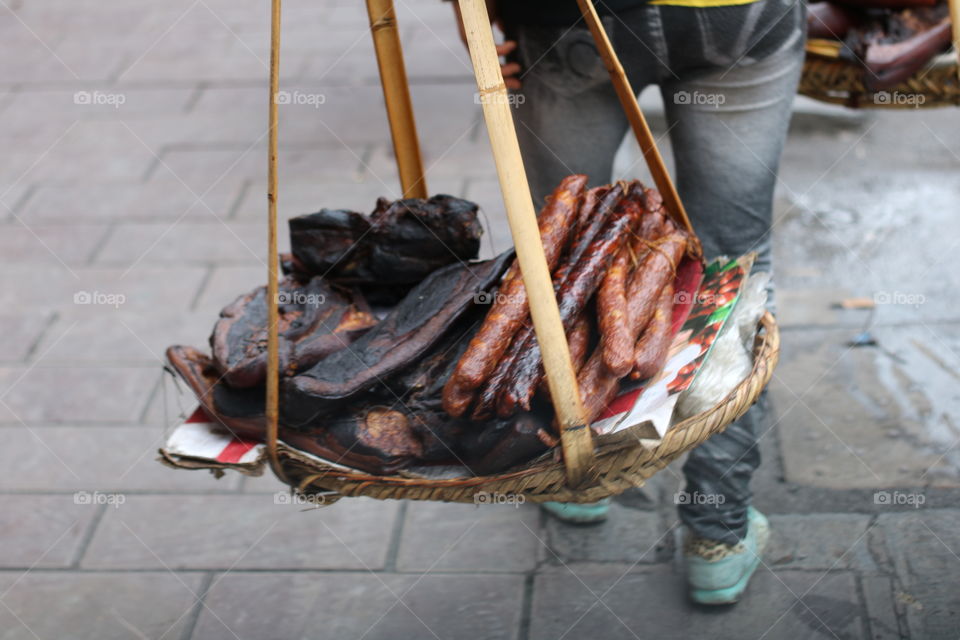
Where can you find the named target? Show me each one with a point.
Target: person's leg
(568, 118)
(728, 125)
(728, 128)
(719, 472)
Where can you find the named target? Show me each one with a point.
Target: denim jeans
(728, 76)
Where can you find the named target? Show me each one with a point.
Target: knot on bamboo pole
(383, 22)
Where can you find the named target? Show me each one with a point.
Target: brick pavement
(134, 167)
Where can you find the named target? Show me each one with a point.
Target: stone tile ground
(134, 164)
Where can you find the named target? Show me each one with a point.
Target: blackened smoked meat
(407, 333)
(315, 321)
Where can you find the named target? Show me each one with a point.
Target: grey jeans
(728, 76)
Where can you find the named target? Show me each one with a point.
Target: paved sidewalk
(132, 209)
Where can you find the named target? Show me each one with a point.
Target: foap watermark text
(99, 99)
(512, 99)
(486, 497)
(99, 298)
(301, 499)
(699, 98)
(695, 497)
(315, 100)
(899, 499)
(899, 297)
(899, 98)
(97, 498)
(301, 298)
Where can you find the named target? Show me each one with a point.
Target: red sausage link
(511, 308)
(612, 314)
(598, 387)
(573, 296)
(652, 348)
(655, 271)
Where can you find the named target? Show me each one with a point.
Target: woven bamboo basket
(829, 79)
(584, 468)
(621, 462)
(841, 82)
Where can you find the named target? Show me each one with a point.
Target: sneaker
(718, 573)
(577, 513)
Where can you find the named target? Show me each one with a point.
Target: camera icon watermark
(699, 98)
(300, 499)
(98, 498)
(899, 499)
(99, 298)
(899, 298)
(486, 497)
(315, 100)
(300, 298)
(494, 297)
(695, 497)
(484, 297)
(495, 97)
(99, 98)
(899, 98)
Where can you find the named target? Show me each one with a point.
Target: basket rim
(835, 81)
(766, 354)
(941, 60)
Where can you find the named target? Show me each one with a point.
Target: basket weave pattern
(620, 465)
(841, 82)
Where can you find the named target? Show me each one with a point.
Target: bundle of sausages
(613, 254)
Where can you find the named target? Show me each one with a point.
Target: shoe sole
(732, 594)
(727, 595)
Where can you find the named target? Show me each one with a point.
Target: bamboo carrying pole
(955, 25)
(575, 434)
(273, 315)
(628, 100)
(396, 95)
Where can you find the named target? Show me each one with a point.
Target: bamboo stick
(628, 99)
(396, 95)
(955, 25)
(575, 434)
(273, 315)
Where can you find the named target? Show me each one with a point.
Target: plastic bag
(731, 357)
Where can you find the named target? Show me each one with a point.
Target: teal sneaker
(577, 513)
(718, 573)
